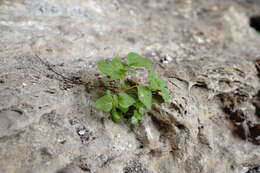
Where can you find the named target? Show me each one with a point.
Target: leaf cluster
(130, 101)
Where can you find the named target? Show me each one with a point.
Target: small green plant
(130, 100)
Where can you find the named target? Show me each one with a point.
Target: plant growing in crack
(127, 99)
(130, 99)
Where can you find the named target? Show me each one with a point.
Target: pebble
(199, 40)
(166, 62)
(168, 58)
(81, 132)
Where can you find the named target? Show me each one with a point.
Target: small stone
(81, 132)
(168, 58)
(199, 40)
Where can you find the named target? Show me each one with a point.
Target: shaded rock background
(205, 49)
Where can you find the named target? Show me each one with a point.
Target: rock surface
(205, 50)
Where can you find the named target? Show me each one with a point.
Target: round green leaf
(136, 60)
(156, 83)
(141, 110)
(145, 96)
(124, 110)
(135, 118)
(115, 100)
(116, 116)
(165, 94)
(105, 103)
(125, 100)
(112, 68)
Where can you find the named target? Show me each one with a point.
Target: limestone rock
(205, 50)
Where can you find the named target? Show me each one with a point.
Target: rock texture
(206, 50)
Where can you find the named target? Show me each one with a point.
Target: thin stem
(67, 79)
(71, 80)
(126, 89)
(122, 83)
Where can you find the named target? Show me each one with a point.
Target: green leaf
(117, 63)
(105, 103)
(127, 68)
(136, 117)
(136, 60)
(145, 96)
(125, 100)
(165, 94)
(112, 68)
(134, 95)
(124, 110)
(134, 120)
(141, 110)
(115, 100)
(139, 106)
(116, 116)
(156, 83)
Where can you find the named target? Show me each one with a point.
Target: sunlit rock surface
(206, 50)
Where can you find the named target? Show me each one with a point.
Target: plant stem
(71, 80)
(126, 89)
(122, 83)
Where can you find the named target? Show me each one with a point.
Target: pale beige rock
(202, 48)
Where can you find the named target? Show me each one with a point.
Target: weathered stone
(205, 50)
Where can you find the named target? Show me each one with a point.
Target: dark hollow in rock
(255, 169)
(255, 130)
(85, 135)
(257, 65)
(255, 22)
(256, 103)
(245, 129)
